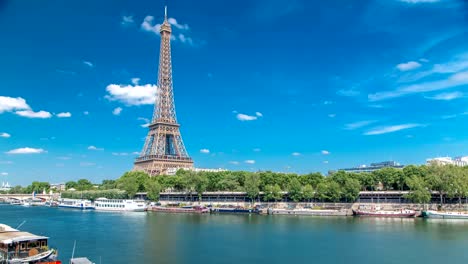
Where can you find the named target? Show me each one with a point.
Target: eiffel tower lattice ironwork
(164, 148)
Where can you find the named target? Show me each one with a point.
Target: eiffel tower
(164, 148)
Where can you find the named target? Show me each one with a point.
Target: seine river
(178, 238)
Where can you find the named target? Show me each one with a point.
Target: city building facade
(372, 167)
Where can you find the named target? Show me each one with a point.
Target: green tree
(83, 185)
(277, 193)
(312, 179)
(108, 185)
(308, 192)
(418, 189)
(229, 183)
(295, 190)
(70, 184)
(129, 184)
(268, 193)
(153, 190)
(251, 185)
(199, 183)
(350, 189)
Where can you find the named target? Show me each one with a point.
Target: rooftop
(9, 235)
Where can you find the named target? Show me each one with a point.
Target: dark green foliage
(450, 181)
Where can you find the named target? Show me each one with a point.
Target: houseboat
(377, 211)
(23, 247)
(184, 209)
(234, 210)
(445, 215)
(104, 204)
(76, 204)
(311, 212)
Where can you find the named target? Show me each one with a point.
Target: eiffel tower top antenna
(165, 12)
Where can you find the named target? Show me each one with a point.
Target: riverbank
(203, 239)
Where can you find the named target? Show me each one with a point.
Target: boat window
(43, 243)
(22, 245)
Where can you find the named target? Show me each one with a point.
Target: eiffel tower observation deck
(164, 148)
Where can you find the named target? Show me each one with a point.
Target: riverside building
(372, 167)
(457, 161)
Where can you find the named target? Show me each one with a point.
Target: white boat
(118, 205)
(25, 204)
(15, 202)
(446, 215)
(76, 204)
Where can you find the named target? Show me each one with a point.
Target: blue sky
(276, 85)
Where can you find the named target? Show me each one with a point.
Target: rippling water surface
(178, 238)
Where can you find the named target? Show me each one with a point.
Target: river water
(183, 238)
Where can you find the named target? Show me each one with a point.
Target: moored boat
(311, 212)
(184, 209)
(445, 215)
(76, 204)
(15, 202)
(386, 213)
(119, 205)
(23, 247)
(234, 210)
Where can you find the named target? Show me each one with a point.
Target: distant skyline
(293, 86)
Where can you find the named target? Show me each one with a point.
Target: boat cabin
(18, 245)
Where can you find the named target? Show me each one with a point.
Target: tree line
(449, 181)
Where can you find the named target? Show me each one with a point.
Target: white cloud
(419, 1)
(85, 113)
(127, 20)
(325, 162)
(390, 129)
(257, 150)
(146, 120)
(250, 161)
(8, 104)
(184, 39)
(296, 154)
(258, 114)
(234, 162)
(446, 96)
(331, 115)
(327, 102)
(135, 153)
(454, 80)
(325, 152)
(132, 95)
(5, 135)
(205, 151)
(244, 117)
(356, 125)
(135, 81)
(4, 173)
(21, 108)
(64, 114)
(147, 25)
(64, 158)
(120, 153)
(87, 164)
(173, 22)
(89, 64)
(94, 148)
(117, 111)
(32, 114)
(408, 66)
(26, 151)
